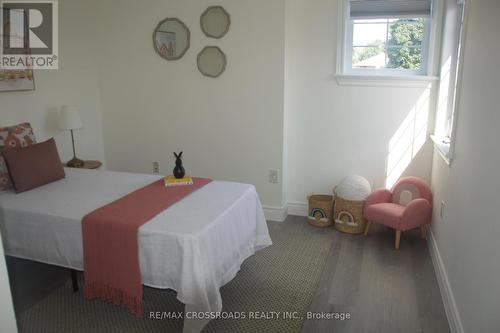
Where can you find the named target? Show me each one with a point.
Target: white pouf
(350, 196)
(354, 187)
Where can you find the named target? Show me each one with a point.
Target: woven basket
(320, 210)
(349, 215)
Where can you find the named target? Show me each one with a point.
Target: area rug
(273, 291)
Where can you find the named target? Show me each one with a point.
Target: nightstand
(89, 165)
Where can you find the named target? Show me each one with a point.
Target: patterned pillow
(10, 137)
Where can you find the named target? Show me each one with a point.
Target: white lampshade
(69, 119)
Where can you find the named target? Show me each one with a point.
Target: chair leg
(398, 239)
(367, 228)
(423, 231)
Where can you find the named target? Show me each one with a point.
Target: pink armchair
(406, 206)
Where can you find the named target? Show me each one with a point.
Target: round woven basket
(349, 215)
(320, 210)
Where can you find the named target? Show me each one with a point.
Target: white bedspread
(194, 247)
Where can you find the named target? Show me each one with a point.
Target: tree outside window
(388, 43)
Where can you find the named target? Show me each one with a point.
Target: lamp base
(74, 163)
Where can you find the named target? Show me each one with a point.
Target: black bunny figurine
(179, 171)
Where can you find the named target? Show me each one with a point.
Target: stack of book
(172, 181)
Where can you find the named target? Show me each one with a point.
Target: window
(386, 37)
(449, 83)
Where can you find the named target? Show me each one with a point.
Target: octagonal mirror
(215, 22)
(211, 61)
(171, 38)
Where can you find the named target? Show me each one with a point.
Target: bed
(194, 247)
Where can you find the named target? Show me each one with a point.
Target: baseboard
(297, 208)
(444, 286)
(277, 214)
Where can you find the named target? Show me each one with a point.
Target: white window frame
(445, 144)
(346, 75)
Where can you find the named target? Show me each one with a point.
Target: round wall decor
(171, 38)
(211, 61)
(215, 22)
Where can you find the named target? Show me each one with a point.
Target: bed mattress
(194, 247)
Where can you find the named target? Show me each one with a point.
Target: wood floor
(382, 289)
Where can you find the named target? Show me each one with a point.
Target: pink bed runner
(110, 242)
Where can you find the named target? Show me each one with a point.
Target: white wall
(76, 82)
(230, 128)
(467, 235)
(151, 107)
(7, 317)
(333, 131)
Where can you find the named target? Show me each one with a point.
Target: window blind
(389, 8)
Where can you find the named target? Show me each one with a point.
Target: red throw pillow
(20, 135)
(33, 166)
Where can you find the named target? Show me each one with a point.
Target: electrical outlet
(274, 176)
(441, 211)
(156, 168)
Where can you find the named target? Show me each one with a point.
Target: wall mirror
(211, 61)
(215, 22)
(171, 38)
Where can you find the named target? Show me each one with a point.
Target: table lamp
(69, 120)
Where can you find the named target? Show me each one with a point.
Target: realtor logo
(29, 34)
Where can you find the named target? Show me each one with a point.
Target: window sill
(416, 81)
(442, 148)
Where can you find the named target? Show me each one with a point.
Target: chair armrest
(378, 196)
(417, 212)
